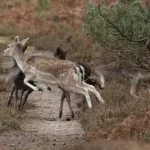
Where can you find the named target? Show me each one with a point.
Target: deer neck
(20, 60)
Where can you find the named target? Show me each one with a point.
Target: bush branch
(118, 30)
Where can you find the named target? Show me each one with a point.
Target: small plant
(120, 109)
(9, 124)
(43, 5)
(9, 118)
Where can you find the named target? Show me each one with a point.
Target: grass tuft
(121, 115)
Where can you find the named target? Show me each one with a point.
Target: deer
(16, 76)
(92, 80)
(49, 71)
(134, 76)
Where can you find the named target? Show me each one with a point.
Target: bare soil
(42, 127)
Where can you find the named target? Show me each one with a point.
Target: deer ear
(58, 50)
(16, 39)
(24, 41)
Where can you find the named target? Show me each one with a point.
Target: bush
(123, 31)
(79, 46)
(9, 118)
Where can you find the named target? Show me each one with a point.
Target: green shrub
(43, 5)
(122, 31)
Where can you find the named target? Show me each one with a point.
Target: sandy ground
(42, 128)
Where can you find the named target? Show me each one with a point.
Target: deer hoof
(40, 89)
(68, 119)
(60, 114)
(105, 104)
(20, 108)
(48, 88)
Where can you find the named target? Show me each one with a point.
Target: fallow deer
(92, 80)
(68, 75)
(16, 76)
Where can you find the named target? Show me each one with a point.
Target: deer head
(12, 47)
(60, 53)
(93, 80)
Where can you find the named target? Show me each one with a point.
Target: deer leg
(42, 86)
(69, 103)
(9, 101)
(86, 94)
(92, 89)
(25, 98)
(132, 90)
(134, 83)
(22, 93)
(82, 90)
(16, 98)
(26, 82)
(61, 104)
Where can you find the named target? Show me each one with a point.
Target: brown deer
(90, 77)
(48, 71)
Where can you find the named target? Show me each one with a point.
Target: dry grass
(9, 4)
(2, 85)
(103, 145)
(9, 118)
(122, 113)
(39, 17)
(80, 47)
(102, 121)
(10, 30)
(107, 145)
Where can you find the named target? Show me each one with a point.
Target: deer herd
(37, 71)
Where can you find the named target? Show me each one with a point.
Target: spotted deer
(89, 76)
(16, 77)
(48, 71)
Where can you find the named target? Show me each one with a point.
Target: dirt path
(42, 127)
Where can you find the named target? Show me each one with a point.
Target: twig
(144, 17)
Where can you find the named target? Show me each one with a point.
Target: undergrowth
(110, 121)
